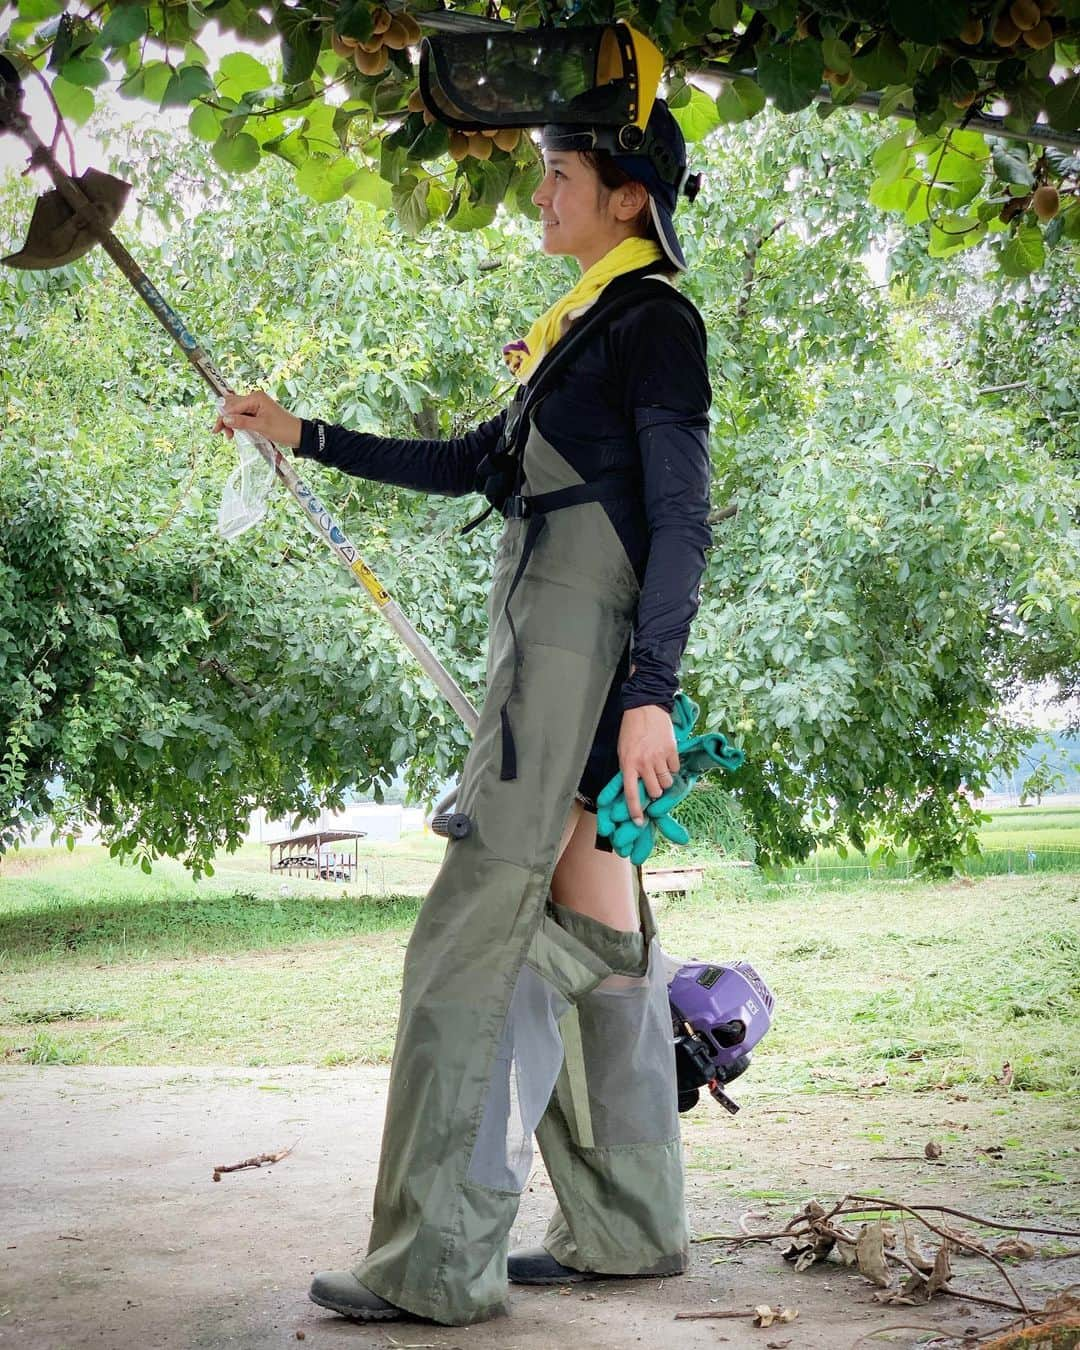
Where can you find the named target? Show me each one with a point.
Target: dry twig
(708, 1316)
(947, 1235)
(253, 1162)
(874, 1203)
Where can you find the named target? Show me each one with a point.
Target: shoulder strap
(622, 294)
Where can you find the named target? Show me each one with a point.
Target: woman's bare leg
(598, 885)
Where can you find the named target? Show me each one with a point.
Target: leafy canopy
(346, 118)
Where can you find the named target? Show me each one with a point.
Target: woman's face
(578, 217)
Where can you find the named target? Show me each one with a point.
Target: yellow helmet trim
(650, 66)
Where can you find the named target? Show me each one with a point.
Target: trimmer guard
(597, 76)
(58, 235)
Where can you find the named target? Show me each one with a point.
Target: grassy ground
(903, 986)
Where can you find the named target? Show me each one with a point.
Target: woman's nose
(541, 196)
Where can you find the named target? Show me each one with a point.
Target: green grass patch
(905, 988)
(140, 928)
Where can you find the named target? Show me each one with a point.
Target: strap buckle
(517, 508)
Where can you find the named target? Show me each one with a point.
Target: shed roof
(319, 837)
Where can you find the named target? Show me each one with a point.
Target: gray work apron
(503, 1031)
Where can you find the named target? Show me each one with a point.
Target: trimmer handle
(452, 825)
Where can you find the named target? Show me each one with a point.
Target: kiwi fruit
(1040, 36)
(370, 63)
(506, 138)
(480, 146)
(395, 35)
(1046, 202)
(1025, 14)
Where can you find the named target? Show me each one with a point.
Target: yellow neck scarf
(526, 354)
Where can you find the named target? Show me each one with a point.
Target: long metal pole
(315, 511)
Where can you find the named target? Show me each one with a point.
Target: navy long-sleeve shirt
(635, 400)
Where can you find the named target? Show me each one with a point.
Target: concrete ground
(116, 1237)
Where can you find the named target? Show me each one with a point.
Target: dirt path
(118, 1239)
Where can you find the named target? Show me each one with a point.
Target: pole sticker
(370, 582)
(168, 316)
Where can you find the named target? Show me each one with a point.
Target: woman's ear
(630, 200)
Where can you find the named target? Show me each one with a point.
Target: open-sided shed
(307, 855)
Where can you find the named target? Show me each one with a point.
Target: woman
(534, 997)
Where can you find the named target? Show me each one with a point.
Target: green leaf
(926, 22)
(883, 64)
(410, 198)
(365, 186)
(523, 184)
(1070, 221)
(471, 215)
(237, 154)
(74, 102)
(1025, 104)
(204, 123)
(892, 157)
(1024, 253)
(188, 84)
(488, 180)
(678, 94)
(155, 80)
(1063, 105)
(739, 100)
(301, 38)
(87, 71)
(124, 25)
(791, 73)
(319, 131)
(354, 20)
(954, 233)
(1010, 168)
(438, 199)
(324, 180)
(239, 74)
(292, 148)
(35, 11)
(837, 55)
(131, 86)
(892, 194)
(724, 15)
(698, 117)
(894, 96)
(69, 37)
(431, 143)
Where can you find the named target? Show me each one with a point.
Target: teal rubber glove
(697, 754)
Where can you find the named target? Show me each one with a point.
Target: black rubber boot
(535, 1265)
(342, 1292)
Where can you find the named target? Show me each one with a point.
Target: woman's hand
(646, 751)
(257, 412)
